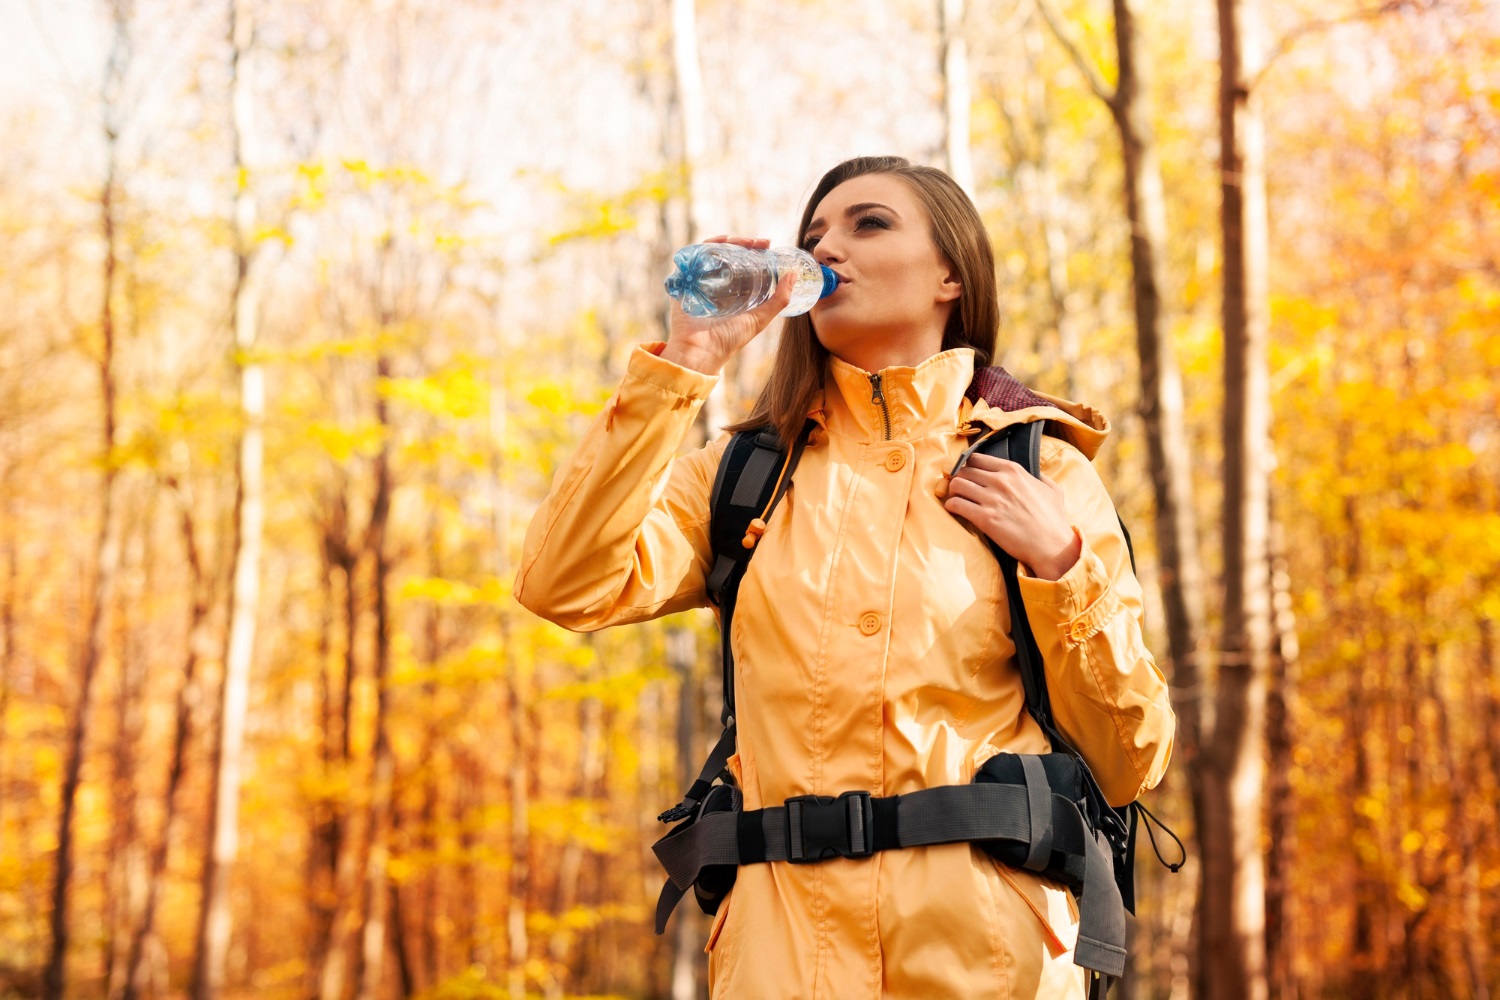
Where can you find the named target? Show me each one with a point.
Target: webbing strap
(809, 829)
(1101, 912)
(1037, 792)
(757, 475)
(670, 896)
(718, 759)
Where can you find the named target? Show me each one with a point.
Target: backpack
(1042, 812)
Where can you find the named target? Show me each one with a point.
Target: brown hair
(957, 231)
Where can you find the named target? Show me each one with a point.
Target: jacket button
(895, 461)
(869, 623)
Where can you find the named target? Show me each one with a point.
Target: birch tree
(953, 61)
(216, 918)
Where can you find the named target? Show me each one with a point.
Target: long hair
(957, 231)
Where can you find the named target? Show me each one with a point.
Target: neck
(902, 353)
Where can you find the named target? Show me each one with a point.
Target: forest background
(303, 301)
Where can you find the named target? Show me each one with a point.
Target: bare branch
(1090, 72)
(1297, 34)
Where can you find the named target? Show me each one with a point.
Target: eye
(862, 223)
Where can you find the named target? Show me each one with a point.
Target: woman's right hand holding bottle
(706, 344)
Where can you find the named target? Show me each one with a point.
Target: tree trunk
(9, 680)
(188, 696)
(953, 63)
(1281, 841)
(519, 946)
(427, 819)
(216, 919)
(1161, 381)
(106, 542)
(342, 842)
(1232, 907)
(588, 787)
(682, 657)
(468, 800)
(128, 863)
(1162, 416)
(323, 839)
(1364, 838)
(399, 944)
(377, 897)
(1053, 209)
(1477, 948)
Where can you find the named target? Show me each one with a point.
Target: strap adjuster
(820, 827)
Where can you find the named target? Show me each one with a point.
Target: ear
(951, 287)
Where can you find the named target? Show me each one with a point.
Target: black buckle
(820, 827)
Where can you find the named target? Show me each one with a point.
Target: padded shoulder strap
(742, 488)
(754, 474)
(1021, 443)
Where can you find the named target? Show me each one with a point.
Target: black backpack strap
(754, 473)
(1046, 826)
(1022, 444)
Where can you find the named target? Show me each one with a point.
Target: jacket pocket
(1052, 904)
(717, 927)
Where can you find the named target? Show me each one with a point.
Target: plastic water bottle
(721, 279)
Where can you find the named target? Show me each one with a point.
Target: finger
(984, 477)
(721, 238)
(1051, 482)
(968, 489)
(964, 508)
(991, 462)
(768, 309)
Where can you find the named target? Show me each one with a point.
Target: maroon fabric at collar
(1001, 389)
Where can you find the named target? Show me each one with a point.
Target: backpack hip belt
(1047, 827)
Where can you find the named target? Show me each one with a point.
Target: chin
(835, 336)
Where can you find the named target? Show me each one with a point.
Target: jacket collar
(930, 398)
(919, 401)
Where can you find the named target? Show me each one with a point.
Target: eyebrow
(853, 210)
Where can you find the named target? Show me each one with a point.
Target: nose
(826, 252)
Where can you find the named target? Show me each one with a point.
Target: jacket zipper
(877, 395)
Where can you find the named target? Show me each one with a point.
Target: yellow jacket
(872, 651)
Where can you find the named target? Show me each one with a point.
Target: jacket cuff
(1078, 602)
(668, 375)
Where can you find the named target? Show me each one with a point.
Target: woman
(871, 635)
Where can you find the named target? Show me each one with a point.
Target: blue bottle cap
(830, 281)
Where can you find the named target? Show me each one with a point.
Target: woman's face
(895, 290)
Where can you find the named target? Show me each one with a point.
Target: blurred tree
(228, 763)
(1160, 382)
(1231, 766)
(953, 66)
(107, 540)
